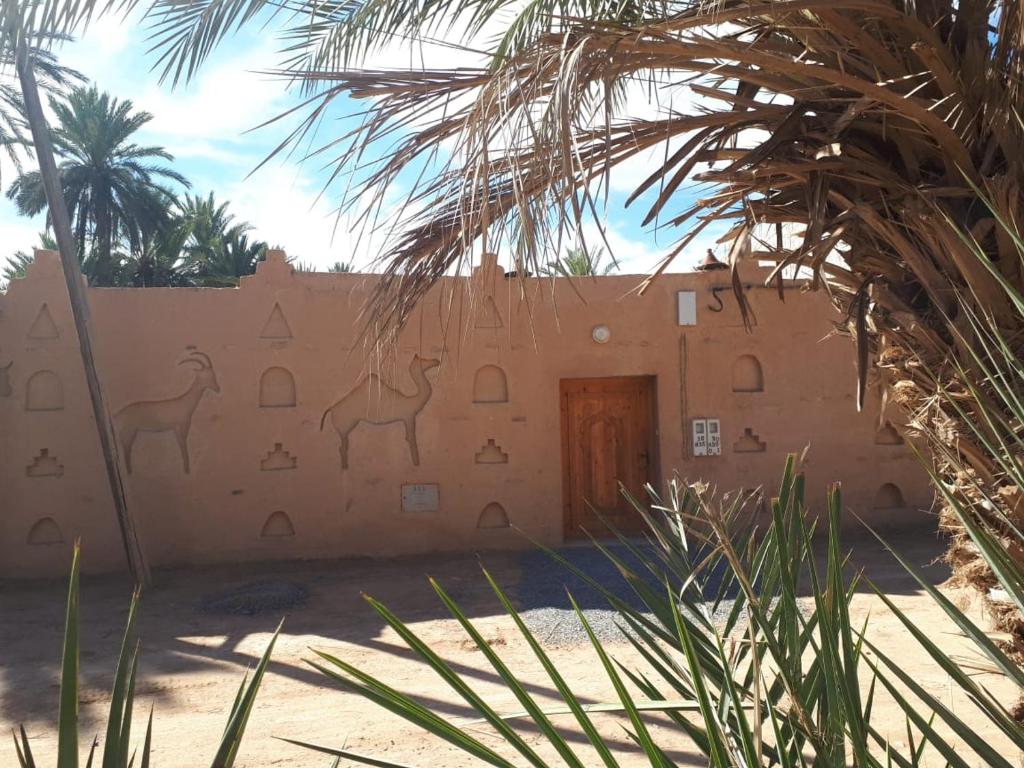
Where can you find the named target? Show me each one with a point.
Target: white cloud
(285, 207)
(100, 52)
(205, 118)
(202, 149)
(19, 233)
(226, 100)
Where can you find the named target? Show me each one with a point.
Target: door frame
(654, 465)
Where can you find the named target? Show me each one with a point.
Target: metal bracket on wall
(718, 299)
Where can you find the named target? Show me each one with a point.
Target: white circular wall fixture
(602, 334)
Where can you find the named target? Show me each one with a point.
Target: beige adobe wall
(309, 324)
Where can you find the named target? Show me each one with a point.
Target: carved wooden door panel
(608, 437)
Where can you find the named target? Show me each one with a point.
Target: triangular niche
(488, 315)
(276, 326)
(43, 326)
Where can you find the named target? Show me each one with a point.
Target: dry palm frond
(46, 21)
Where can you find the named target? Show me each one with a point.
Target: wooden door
(608, 437)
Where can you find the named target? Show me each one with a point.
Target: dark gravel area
(545, 585)
(256, 598)
(544, 602)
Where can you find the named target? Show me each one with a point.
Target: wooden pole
(61, 222)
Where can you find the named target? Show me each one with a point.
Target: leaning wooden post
(79, 308)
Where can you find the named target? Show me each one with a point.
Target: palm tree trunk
(80, 311)
(104, 239)
(80, 230)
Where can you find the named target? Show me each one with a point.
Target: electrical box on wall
(714, 438)
(700, 437)
(707, 437)
(687, 306)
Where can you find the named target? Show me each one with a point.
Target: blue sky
(207, 126)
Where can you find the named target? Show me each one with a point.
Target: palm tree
(342, 267)
(887, 134)
(53, 79)
(158, 260)
(113, 188)
(237, 258)
(210, 227)
(578, 262)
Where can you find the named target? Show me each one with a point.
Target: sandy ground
(193, 661)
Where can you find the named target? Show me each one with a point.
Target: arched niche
(889, 496)
(277, 388)
(490, 385)
(278, 526)
(44, 392)
(493, 516)
(747, 375)
(45, 532)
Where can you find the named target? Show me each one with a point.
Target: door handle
(645, 458)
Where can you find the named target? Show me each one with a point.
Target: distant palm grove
(134, 220)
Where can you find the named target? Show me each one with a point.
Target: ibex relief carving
(171, 415)
(376, 402)
(5, 380)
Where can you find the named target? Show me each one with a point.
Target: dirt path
(192, 661)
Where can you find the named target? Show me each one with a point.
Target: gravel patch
(545, 585)
(256, 598)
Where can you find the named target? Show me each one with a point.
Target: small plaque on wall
(421, 497)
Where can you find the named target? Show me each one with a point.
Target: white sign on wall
(700, 437)
(687, 302)
(714, 438)
(421, 497)
(707, 437)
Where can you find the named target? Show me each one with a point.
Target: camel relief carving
(5, 380)
(171, 415)
(376, 402)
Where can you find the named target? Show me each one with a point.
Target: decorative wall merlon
(273, 269)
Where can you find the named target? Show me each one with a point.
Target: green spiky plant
(750, 671)
(117, 749)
